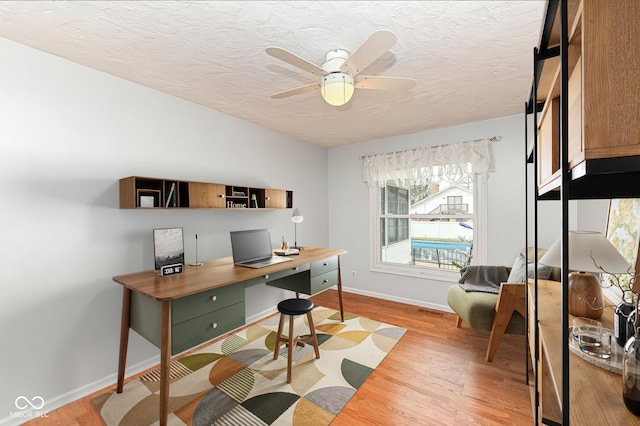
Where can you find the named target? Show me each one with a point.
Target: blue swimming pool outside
(442, 245)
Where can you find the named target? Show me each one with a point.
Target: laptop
(252, 248)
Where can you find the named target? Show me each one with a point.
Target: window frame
(480, 202)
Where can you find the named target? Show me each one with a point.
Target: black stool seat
(291, 308)
(295, 306)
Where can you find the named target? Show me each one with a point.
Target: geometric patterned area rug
(236, 381)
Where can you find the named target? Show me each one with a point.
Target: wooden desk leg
(124, 336)
(340, 291)
(165, 360)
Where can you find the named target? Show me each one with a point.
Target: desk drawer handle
(325, 282)
(296, 268)
(266, 277)
(214, 325)
(214, 298)
(325, 264)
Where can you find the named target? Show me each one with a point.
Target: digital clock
(171, 269)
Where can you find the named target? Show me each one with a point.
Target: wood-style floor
(436, 375)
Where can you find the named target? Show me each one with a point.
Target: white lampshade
(337, 88)
(586, 249)
(296, 216)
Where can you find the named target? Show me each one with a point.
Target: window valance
(452, 163)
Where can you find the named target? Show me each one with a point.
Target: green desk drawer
(189, 315)
(208, 301)
(277, 275)
(324, 281)
(325, 265)
(306, 284)
(206, 327)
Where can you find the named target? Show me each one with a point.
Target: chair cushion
(521, 271)
(556, 273)
(478, 309)
(295, 306)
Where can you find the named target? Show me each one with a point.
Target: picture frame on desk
(148, 198)
(168, 247)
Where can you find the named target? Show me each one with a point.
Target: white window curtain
(451, 163)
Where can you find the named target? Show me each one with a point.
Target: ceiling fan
(340, 74)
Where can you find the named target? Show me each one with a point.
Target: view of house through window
(427, 224)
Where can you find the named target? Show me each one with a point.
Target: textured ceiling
(471, 59)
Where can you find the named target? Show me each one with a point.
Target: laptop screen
(251, 244)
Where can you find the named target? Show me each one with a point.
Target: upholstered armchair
(500, 309)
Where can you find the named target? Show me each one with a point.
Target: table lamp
(588, 250)
(296, 218)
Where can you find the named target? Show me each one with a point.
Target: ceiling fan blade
(296, 91)
(372, 82)
(295, 60)
(375, 46)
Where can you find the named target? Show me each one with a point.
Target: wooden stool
(292, 308)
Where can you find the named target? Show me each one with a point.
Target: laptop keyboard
(253, 262)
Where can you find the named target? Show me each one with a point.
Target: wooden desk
(595, 394)
(149, 302)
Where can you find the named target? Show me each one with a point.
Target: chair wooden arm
(510, 299)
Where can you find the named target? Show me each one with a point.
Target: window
(427, 221)
(395, 229)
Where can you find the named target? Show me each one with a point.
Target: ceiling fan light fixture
(337, 88)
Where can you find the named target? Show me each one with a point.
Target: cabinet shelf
(148, 193)
(597, 179)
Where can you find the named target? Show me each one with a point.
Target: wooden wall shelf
(157, 193)
(585, 145)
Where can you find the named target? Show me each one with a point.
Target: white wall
(349, 208)
(68, 134)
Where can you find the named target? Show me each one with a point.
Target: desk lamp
(296, 218)
(588, 250)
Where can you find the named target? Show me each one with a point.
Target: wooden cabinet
(143, 192)
(609, 58)
(603, 112)
(275, 198)
(584, 100)
(206, 195)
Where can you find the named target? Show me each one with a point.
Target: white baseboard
(438, 307)
(260, 316)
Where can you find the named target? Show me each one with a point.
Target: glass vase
(623, 322)
(631, 375)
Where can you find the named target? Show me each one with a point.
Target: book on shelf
(171, 199)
